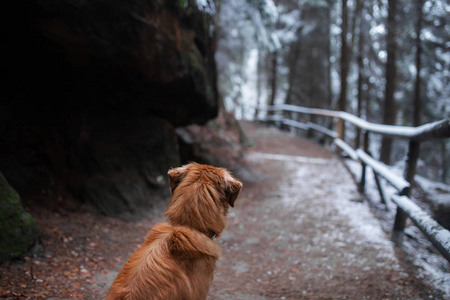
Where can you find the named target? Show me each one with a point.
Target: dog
(178, 258)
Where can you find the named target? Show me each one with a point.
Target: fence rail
(435, 130)
(406, 208)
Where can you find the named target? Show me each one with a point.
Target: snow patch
(431, 267)
(207, 6)
(291, 158)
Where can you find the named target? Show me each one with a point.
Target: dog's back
(178, 258)
(175, 262)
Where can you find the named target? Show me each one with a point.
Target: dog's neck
(211, 234)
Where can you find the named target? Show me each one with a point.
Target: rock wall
(122, 165)
(143, 57)
(18, 229)
(93, 92)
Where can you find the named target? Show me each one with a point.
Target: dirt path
(298, 232)
(301, 233)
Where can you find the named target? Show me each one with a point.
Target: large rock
(123, 162)
(145, 57)
(92, 93)
(219, 143)
(115, 162)
(18, 229)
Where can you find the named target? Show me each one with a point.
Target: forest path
(299, 231)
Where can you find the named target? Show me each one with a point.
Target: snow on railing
(323, 130)
(435, 130)
(399, 183)
(439, 236)
(347, 148)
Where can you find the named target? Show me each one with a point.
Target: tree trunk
(329, 66)
(390, 110)
(292, 70)
(273, 78)
(418, 82)
(258, 83)
(356, 15)
(445, 167)
(360, 63)
(346, 53)
(344, 58)
(292, 75)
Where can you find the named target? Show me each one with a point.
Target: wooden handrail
(347, 148)
(435, 130)
(399, 183)
(439, 236)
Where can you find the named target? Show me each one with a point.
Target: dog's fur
(178, 258)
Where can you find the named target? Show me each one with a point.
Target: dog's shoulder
(186, 243)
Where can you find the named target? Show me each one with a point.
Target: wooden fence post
(285, 114)
(296, 117)
(340, 133)
(362, 183)
(358, 138)
(340, 128)
(380, 190)
(310, 133)
(410, 171)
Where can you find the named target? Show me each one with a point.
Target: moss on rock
(18, 229)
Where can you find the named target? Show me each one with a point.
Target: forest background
(386, 61)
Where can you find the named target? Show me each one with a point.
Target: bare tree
(390, 108)
(346, 52)
(273, 76)
(344, 57)
(418, 81)
(328, 24)
(259, 75)
(361, 75)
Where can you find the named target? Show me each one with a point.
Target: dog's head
(201, 195)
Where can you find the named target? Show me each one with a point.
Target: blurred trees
(387, 61)
(389, 106)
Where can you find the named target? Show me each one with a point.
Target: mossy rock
(18, 229)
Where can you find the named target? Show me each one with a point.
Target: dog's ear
(233, 189)
(175, 177)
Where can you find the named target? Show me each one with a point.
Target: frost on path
(289, 158)
(306, 235)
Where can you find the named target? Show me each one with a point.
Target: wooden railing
(439, 236)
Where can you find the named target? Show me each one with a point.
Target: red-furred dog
(178, 258)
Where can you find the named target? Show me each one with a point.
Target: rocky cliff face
(142, 57)
(18, 229)
(93, 92)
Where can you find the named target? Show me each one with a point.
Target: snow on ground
(334, 235)
(432, 267)
(440, 192)
(293, 158)
(346, 200)
(345, 197)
